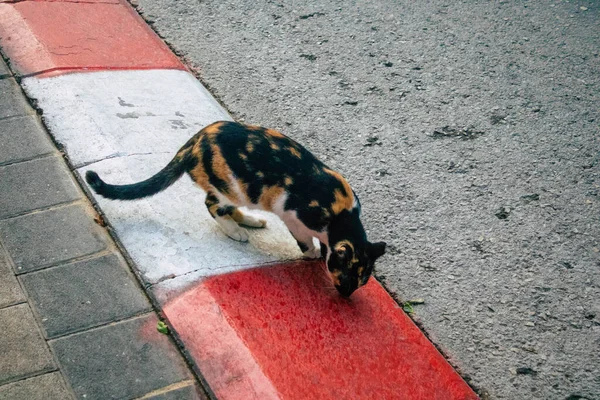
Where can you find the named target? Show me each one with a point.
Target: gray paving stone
(10, 291)
(123, 360)
(190, 392)
(4, 72)
(12, 100)
(34, 184)
(22, 138)
(44, 387)
(24, 351)
(50, 237)
(85, 294)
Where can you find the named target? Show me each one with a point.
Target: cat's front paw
(312, 253)
(252, 221)
(240, 234)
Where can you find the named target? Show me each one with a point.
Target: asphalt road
(469, 130)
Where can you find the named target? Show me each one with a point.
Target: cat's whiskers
(326, 278)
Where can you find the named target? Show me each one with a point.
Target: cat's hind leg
(223, 216)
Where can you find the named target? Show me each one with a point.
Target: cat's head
(351, 264)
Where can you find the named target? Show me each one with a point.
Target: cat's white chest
(293, 223)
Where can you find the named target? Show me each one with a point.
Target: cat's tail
(162, 180)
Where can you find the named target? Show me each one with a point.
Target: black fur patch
(302, 246)
(309, 182)
(211, 201)
(225, 210)
(207, 162)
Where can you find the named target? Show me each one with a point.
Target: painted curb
(127, 125)
(98, 35)
(308, 341)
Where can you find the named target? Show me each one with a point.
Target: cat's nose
(346, 287)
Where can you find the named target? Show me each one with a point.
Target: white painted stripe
(172, 233)
(106, 114)
(134, 122)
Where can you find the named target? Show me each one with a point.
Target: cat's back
(251, 149)
(266, 164)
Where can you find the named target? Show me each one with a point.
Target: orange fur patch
(341, 202)
(274, 133)
(213, 207)
(288, 181)
(313, 203)
(213, 210)
(345, 243)
(198, 174)
(222, 171)
(213, 129)
(249, 147)
(335, 277)
(243, 156)
(220, 167)
(200, 177)
(342, 243)
(274, 146)
(237, 216)
(269, 195)
(189, 148)
(295, 152)
(260, 175)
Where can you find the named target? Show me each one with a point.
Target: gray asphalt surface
(470, 132)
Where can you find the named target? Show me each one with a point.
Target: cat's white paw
(253, 222)
(239, 234)
(232, 229)
(312, 253)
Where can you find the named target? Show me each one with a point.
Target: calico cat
(245, 165)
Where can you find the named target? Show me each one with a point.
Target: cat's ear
(376, 250)
(343, 252)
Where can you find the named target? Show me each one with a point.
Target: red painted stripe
(285, 330)
(64, 1)
(63, 36)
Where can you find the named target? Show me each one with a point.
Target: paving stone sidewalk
(75, 323)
